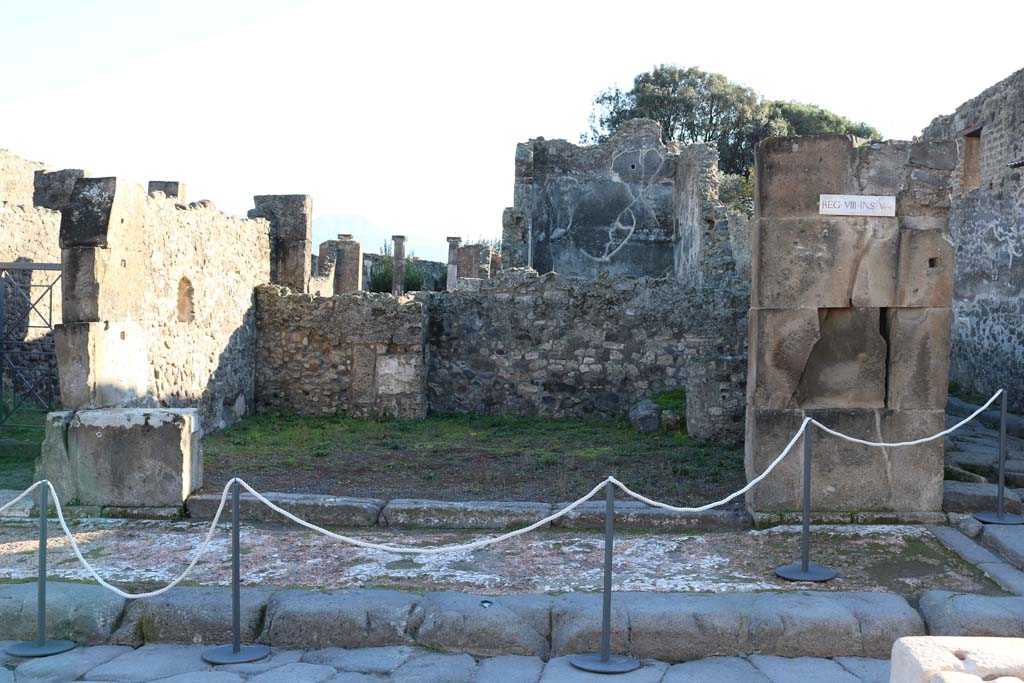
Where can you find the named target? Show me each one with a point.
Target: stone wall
(527, 344)
(17, 178)
(357, 353)
(158, 302)
(987, 222)
(849, 322)
(712, 242)
(604, 208)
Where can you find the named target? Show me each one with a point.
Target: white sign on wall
(856, 205)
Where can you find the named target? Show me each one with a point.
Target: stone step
(959, 614)
(670, 627)
(961, 496)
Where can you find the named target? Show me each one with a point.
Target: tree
(696, 106)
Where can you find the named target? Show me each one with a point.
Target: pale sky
(402, 118)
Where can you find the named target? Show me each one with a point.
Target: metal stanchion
(235, 653)
(41, 647)
(805, 570)
(605, 662)
(1000, 516)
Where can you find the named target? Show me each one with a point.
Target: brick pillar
(453, 262)
(398, 269)
(291, 231)
(348, 265)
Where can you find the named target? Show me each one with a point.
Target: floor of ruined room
(903, 559)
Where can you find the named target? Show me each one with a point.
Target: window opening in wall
(970, 172)
(186, 307)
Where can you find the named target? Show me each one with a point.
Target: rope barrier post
(605, 662)
(41, 647)
(1001, 516)
(806, 570)
(235, 653)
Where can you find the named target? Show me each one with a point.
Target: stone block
(714, 669)
(462, 514)
(346, 618)
(792, 172)
(484, 626)
(962, 496)
(925, 268)
(824, 262)
(367, 660)
(318, 509)
(101, 364)
(509, 669)
(958, 614)
(921, 659)
(190, 614)
(172, 189)
(1008, 540)
(918, 357)
(633, 515)
(84, 613)
(847, 476)
(53, 189)
(103, 212)
(291, 264)
(938, 155)
(882, 167)
(290, 215)
(131, 457)
(781, 341)
(799, 669)
(436, 668)
(846, 367)
(101, 284)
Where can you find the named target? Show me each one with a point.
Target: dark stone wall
(987, 223)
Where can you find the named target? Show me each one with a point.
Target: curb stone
(315, 508)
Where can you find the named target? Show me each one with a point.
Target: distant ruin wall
(356, 353)
(987, 223)
(604, 208)
(17, 178)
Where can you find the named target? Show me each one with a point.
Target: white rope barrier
(880, 444)
(461, 547)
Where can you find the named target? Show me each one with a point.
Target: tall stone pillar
(453, 262)
(348, 265)
(469, 260)
(291, 229)
(398, 268)
(850, 313)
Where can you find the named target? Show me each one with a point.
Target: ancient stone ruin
(621, 275)
(849, 321)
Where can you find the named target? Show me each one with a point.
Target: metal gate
(29, 384)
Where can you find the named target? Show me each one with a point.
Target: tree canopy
(696, 106)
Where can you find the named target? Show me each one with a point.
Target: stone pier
(291, 223)
(849, 322)
(398, 269)
(453, 262)
(348, 265)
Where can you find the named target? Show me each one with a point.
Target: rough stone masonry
(849, 322)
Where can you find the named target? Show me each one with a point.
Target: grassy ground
(19, 447)
(467, 458)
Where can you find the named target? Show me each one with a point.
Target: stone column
(348, 265)
(453, 262)
(398, 269)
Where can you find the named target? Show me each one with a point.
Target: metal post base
(815, 573)
(994, 518)
(225, 654)
(33, 648)
(616, 664)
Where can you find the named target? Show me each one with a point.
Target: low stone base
(923, 659)
(123, 457)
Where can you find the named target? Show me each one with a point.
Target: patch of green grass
(965, 394)
(672, 400)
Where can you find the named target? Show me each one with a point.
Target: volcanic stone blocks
(190, 614)
(130, 457)
(101, 363)
(849, 323)
(79, 612)
(348, 618)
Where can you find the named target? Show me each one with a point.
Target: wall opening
(970, 172)
(186, 305)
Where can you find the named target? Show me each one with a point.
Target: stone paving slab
(319, 509)
(68, 665)
(636, 516)
(22, 509)
(953, 614)
(962, 496)
(1009, 577)
(182, 664)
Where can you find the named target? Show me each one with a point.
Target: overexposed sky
(403, 117)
